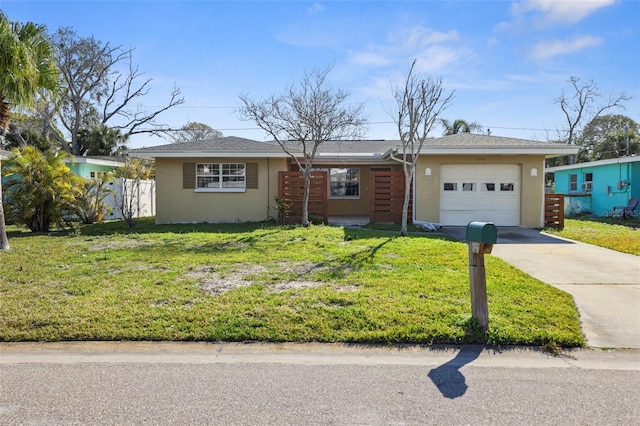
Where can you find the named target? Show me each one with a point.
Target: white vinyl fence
(143, 197)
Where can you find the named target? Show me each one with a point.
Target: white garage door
(488, 193)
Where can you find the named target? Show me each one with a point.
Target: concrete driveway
(605, 284)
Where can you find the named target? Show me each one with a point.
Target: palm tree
(26, 66)
(459, 126)
(43, 188)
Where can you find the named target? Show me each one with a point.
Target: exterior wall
(353, 206)
(634, 178)
(605, 193)
(175, 204)
(427, 187)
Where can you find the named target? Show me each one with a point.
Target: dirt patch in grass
(119, 244)
(242, 275)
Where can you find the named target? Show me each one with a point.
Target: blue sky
(506, 60)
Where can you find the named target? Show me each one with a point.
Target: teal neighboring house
(87, 167)
(94, 167)
(595, 188)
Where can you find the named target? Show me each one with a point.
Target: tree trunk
(4, 240)
(405, 205)
(305, 198)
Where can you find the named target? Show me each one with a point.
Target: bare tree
(580, 107)
(193, 131)
(420, 102)
(304, 117)
(95, 92)
(131, 176)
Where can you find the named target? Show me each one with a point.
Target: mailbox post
(481, 236)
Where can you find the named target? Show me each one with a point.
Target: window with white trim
(344, 182)
(230, 177)
(573, 182)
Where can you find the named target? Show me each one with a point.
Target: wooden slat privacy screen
(387, 197)
(291, 188)
(554, 211)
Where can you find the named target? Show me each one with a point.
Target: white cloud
(369, 58)
(548, 49)
(435, 58)
(421, 36)
(315, 8)
(547, 12)
(433, 49)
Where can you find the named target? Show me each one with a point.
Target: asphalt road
(235, 384)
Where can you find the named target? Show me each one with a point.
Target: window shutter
(188, 175)
(252, 175)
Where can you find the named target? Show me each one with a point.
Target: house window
(450, 186)
(229, 177)
(468, 186)
(344, 183)
(573, 182)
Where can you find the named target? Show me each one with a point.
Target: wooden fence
(291, 189)
(554, 211)
(386, 197)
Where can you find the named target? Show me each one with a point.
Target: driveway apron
(605, 284)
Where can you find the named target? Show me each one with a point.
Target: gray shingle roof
(225, 144)
(471, 140)
(465, 143)
(354, 146)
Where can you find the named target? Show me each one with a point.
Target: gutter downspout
(428, 226)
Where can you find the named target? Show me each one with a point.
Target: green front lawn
(266, 282)
(615, 234)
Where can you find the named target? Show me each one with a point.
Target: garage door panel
(465, 204)
(480, 192)
(462, 218)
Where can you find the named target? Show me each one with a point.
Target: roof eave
(207, 154)
(549, 153)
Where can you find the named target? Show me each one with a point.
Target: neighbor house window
(573, 182)
(344, 183)
(588, 178)
(221, 176)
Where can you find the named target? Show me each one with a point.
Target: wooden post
(478, 283)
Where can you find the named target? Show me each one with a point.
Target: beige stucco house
(459, 178)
